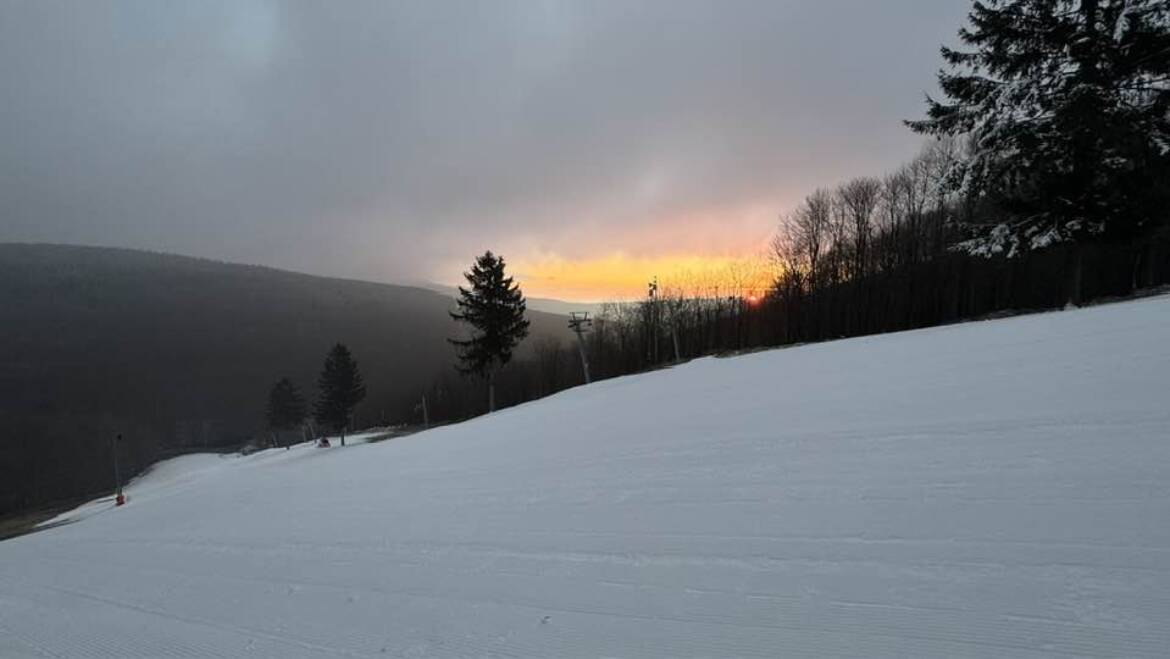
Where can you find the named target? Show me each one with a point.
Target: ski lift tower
(580, 323)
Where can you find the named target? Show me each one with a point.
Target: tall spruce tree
(340, 388)
(1067, 107)
(494, 307)
(286, 406)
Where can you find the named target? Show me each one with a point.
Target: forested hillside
(1045, 183)
(176, 352)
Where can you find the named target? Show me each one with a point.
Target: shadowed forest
(177, 354)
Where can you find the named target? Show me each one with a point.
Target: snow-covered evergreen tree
(1067, 107)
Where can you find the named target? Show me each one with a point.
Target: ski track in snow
(998, 488)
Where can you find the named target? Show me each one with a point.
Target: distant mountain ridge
(177, 351)
(543, 304)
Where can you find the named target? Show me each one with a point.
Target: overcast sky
(394, 141)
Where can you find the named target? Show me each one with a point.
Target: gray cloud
(394, 140)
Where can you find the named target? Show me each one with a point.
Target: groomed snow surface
(986, 489)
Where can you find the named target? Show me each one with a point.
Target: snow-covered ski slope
(996, 488)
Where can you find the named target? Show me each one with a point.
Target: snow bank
(994, 488)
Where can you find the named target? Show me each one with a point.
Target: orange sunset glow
(624, 277)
